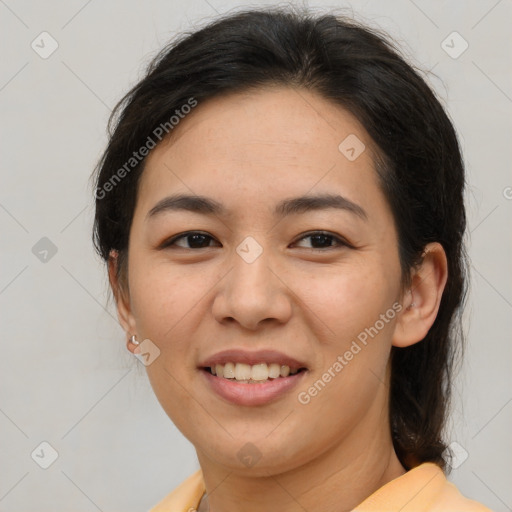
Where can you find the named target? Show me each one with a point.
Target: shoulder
(451, 499)
(422, 489)
(185, 497)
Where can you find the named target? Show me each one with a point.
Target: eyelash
(340, 241)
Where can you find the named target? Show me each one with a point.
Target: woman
(280, 206)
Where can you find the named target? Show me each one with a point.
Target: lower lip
(240, 393)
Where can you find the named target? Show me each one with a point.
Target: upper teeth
(246, 372)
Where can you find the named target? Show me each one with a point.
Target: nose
(252, 294)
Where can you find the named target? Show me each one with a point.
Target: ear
(122, 298)
(421, 303)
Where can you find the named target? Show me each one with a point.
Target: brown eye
(192, 240)
(324, 240)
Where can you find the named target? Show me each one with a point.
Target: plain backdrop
(66, 377)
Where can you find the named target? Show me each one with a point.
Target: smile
(252, 374)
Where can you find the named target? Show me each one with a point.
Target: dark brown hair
(418, 162)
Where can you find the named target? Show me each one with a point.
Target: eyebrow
(296, 205)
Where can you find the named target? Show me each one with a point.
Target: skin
(249, 151)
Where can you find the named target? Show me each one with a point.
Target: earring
(133, 339)
(412, 304)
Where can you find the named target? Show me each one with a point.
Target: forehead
(266, 143)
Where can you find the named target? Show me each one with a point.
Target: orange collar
(422, 489)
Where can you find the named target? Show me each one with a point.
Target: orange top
(423, 488)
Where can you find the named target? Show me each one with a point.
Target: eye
(192, 240)
(324, 239)
(199, 240)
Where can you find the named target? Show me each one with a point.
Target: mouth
(252, 374)
(252, 378)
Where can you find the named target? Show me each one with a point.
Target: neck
(337, 480)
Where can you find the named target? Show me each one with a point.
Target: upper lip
(252, 358)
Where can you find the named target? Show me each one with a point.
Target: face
(265, 283)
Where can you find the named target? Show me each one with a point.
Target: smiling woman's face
(257, 286)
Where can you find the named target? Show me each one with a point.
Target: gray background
(65, 375)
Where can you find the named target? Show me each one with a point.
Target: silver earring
(133, 339)
(412, 304)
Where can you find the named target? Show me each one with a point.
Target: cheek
(352, 322)
(343, 302)
(353, 305)
(353, 346)
(166, 304)
(164, 298)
